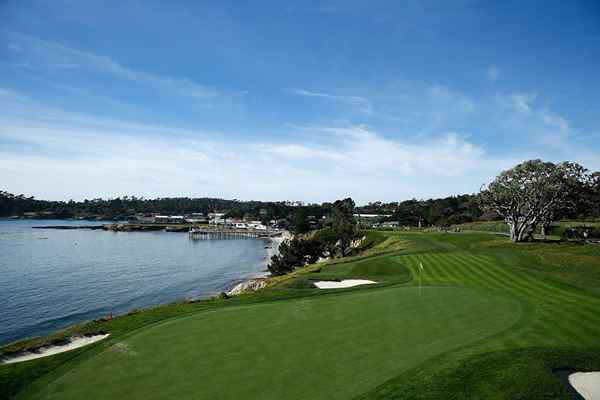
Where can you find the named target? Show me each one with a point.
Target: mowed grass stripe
(441, 261)
(537, 333)
(582, 309)
(454, 276)
(468, 269)
(552, 295)
(424, 276)
(542, 286)
(478, 276)
(571, 321)
(500, 279)
(528, 284)
(435, 272)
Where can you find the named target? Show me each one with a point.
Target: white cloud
(359, 102)
(44, 54)
(523, 114)
(73, 155)
(493, 73)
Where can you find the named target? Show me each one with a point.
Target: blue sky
(313, 101)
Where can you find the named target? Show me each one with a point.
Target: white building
(216, 218)
(257, 226)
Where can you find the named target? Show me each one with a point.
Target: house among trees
(370, 220)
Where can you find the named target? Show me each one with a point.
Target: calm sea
(50, 279)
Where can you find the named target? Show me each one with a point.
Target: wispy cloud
(99, 157)
(493, 73)
(451, 97)
(556, 121)
(359, 102)
(38, 53)
(522, 102)
(527, 115)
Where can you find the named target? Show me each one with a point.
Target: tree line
(528, 196)
(121, 207)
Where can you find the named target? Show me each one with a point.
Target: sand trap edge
(587, 384)
(346, 283)
(75, 343)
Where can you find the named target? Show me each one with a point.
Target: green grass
(322, 347)
(484, 318)
(485, 226)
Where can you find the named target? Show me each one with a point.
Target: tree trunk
(522, 231)
(513, 233)
(518, 231)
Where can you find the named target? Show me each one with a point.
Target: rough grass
(556, 229)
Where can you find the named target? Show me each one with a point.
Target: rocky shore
(254, 284)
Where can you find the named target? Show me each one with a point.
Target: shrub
(301, 283)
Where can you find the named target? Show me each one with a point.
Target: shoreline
(225, 281)
(259, 281)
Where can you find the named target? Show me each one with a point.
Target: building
(390, 224)
(196, 218)
(370, 220)
(215, 218)
(256, 225)
(372, 216)
(169, 219)
(141, 218)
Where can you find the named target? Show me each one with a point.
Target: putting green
(325, 347)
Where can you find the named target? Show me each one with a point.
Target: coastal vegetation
(333, 241)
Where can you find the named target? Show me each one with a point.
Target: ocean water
(50, 279)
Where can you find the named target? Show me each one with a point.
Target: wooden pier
(205, 234)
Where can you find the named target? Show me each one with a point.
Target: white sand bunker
(587, 384)
(75, 343)
(346, 283)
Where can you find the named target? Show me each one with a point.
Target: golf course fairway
(322, 347)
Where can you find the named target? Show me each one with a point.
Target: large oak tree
(534, 193)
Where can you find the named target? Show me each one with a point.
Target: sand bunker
(75, 343)
(587, 384)
(346, 283)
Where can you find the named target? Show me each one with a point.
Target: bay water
(50, 279)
